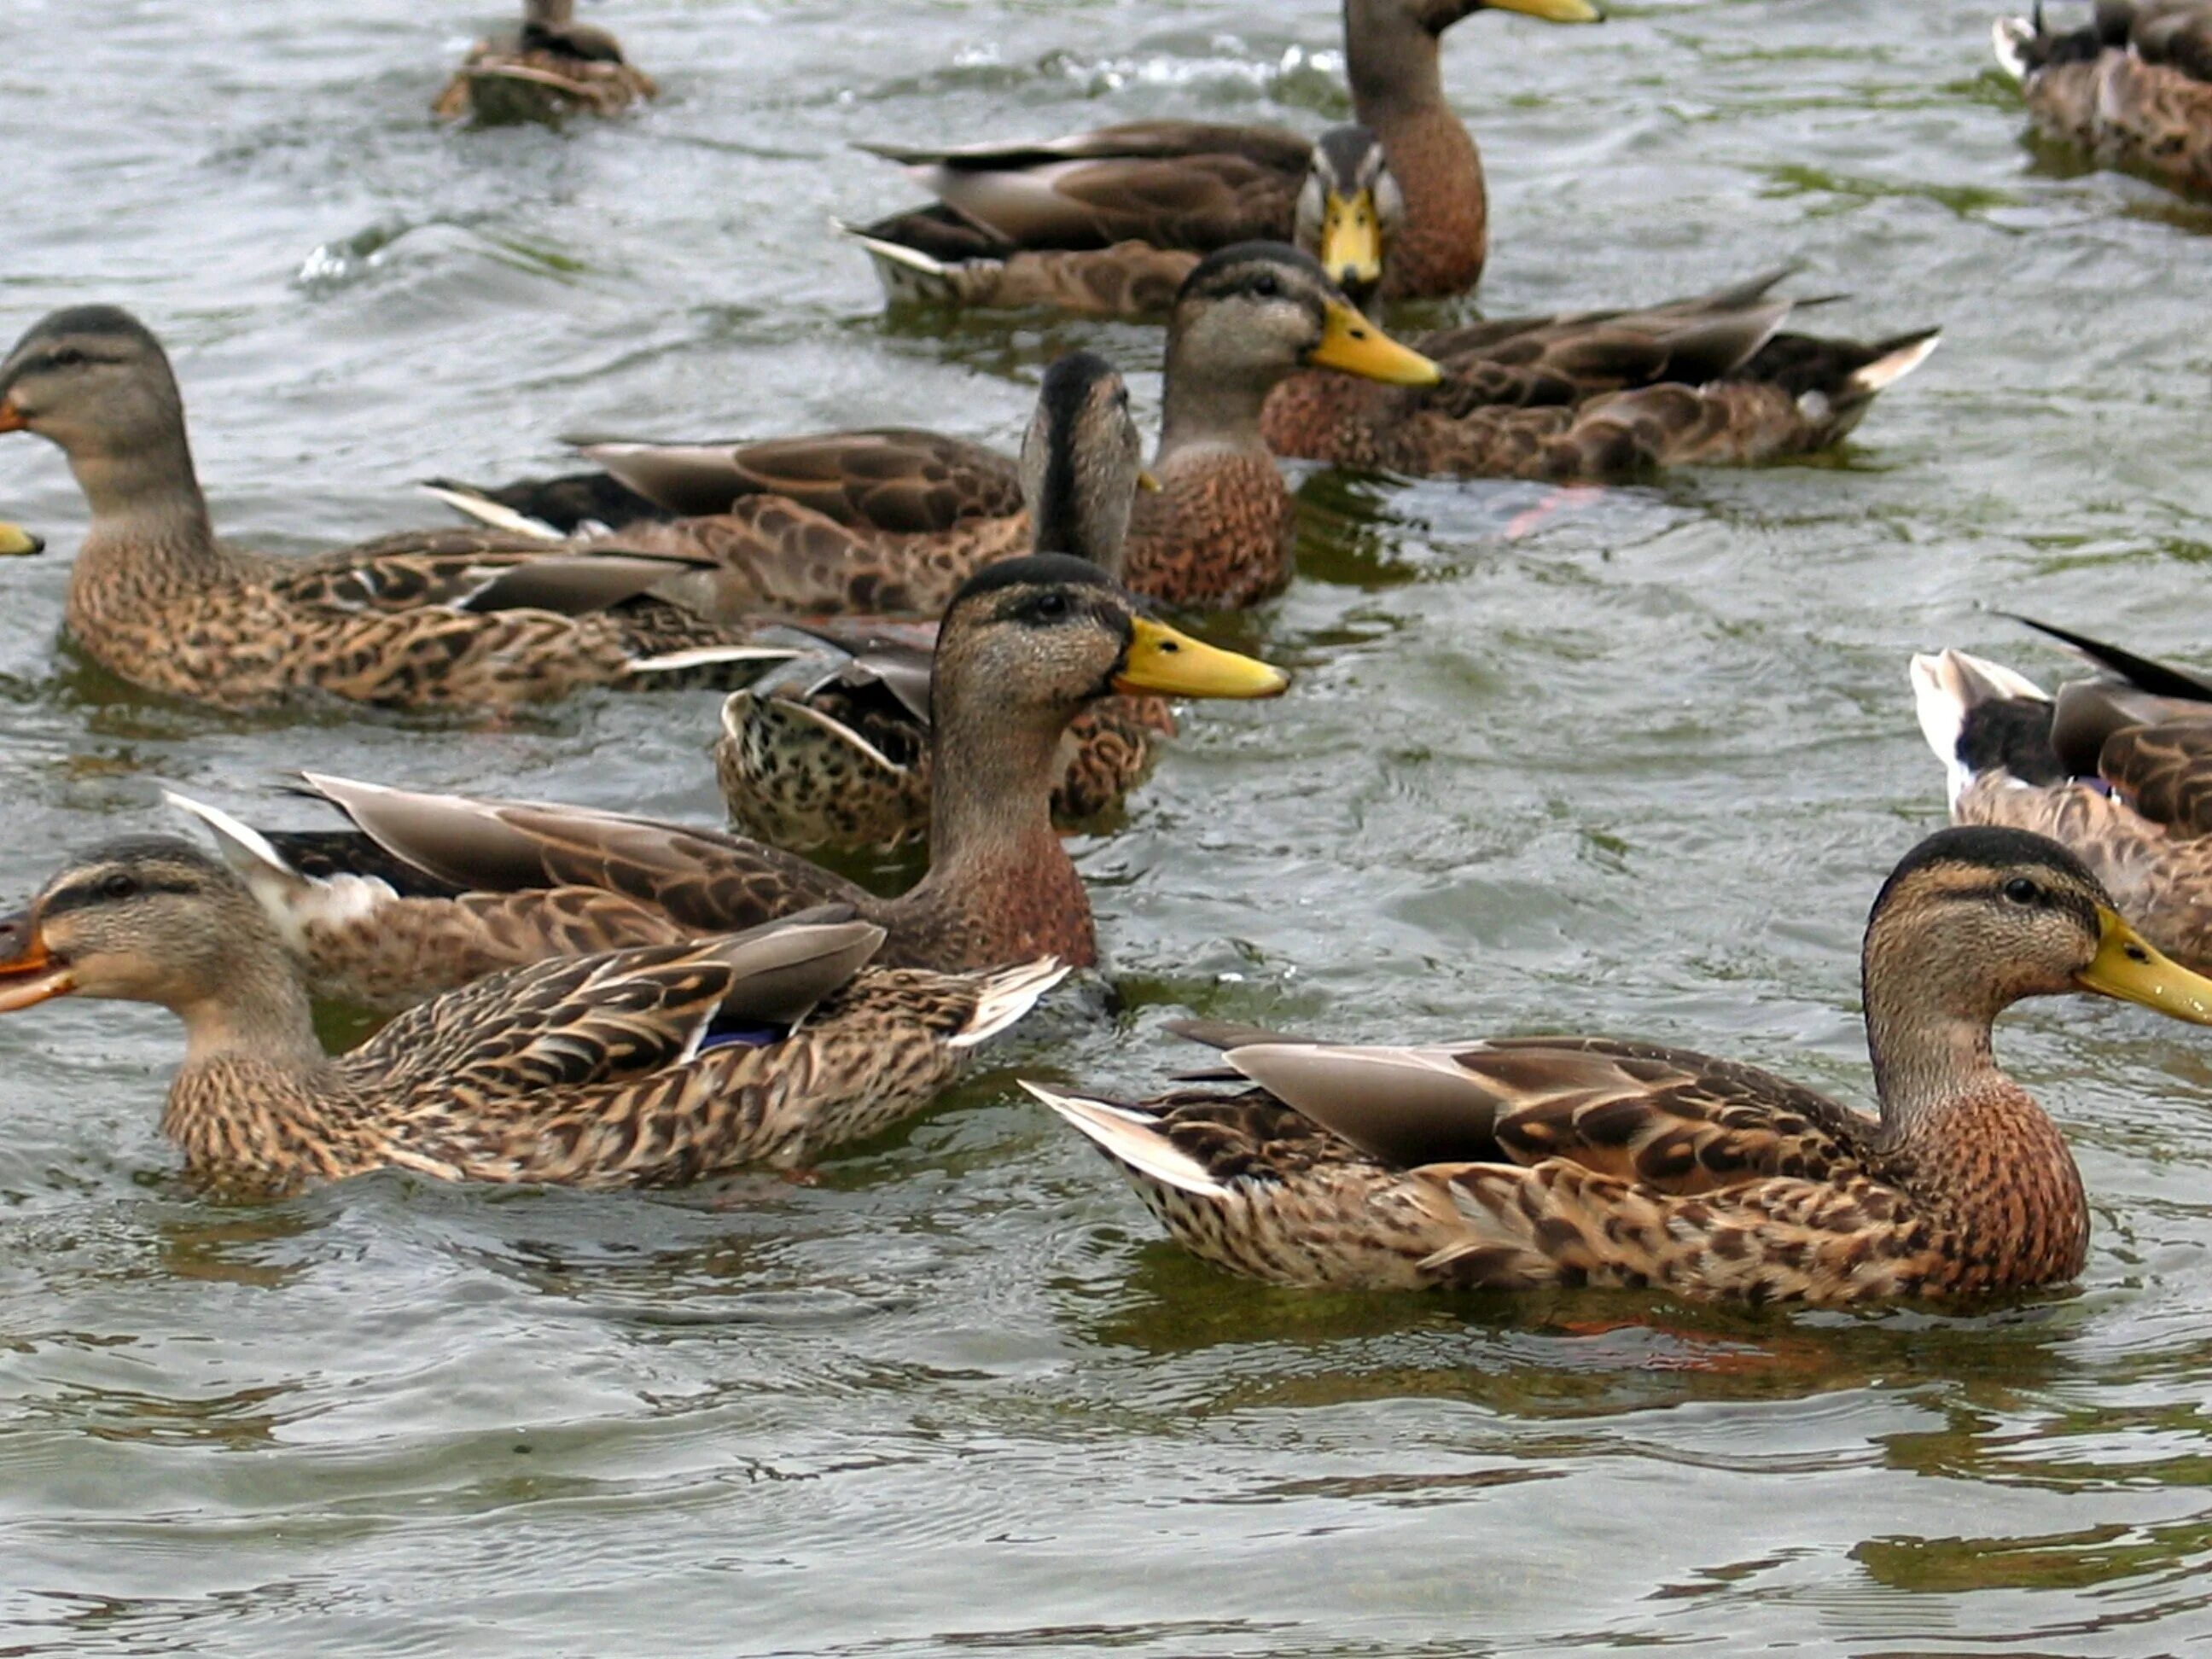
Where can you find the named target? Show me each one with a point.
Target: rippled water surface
(1633, 760)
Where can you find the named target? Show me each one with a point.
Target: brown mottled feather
(2132, 90)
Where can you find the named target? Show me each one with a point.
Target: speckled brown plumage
(2116, 769)
(1541, 1161)
(551, 67)
(638, 1067)
(2132, 88)
(1096, 222)
(440, 619)
(440, 887)
(1601, 395)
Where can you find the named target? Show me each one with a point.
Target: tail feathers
(1898, 358)
(908, 276)
(1979, 716)
(2144, 673)
(292, 900)
(1007, 995)
(712, 656)
(1132, 1137)
(471, 502)
(2012, 37)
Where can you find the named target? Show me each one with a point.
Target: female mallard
(551, 67)
(2118, 769)
(436, 889)
(1578, 396)
(442, 619)
(2133, 89)
(639, 1067)
(1560, 1161)
(832, 749)
(1111, 222)
(15, 541)
(876, 522)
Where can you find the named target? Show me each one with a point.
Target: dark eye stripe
(83, 895)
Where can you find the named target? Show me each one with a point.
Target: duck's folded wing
(702, 878)
(2166, 773)
(1678, 1120)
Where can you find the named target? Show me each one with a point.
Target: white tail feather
(291, 900)
(709, 656)
(1946, 685)
(1006, 996)
(1132, 1138)
(484, 510)
(2010, 36)
(1887, 371)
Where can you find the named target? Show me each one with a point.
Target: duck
(1111, 222)
(879, 523)
(2117, 767)
(442, 619)
(430, 890)
(2132, 90)
(832, 748)
(1526, 1163)
(16, 542)
(551, 67)
(647, 1067)
(1574, 397)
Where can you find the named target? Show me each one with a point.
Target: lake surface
(1633, 760)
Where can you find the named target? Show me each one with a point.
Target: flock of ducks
(919, 636)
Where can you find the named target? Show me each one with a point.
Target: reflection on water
(1628, 759)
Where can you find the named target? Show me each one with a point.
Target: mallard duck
(1578, 396)
(832, 749)
(551, 67)
(439, 619)
(17, 542)
(877, 522)
(1531, 1162)
(629, 1068)
(2118, 768)
(436, 889)
(2133, 89)
(1111, 222)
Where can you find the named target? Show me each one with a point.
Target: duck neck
(1213, 408)
(147, 508)
(1395, 67)
(260, 1015)
(1927, 1031)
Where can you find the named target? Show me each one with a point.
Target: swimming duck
(2133, 89)
(884, 524)
(436, 889)
(1521, 1162)
(439, 619)
(552, 66)
(17, 542)
(1591, 395)
(832, 749)
(1111, 222)
(2118, 767)
(639, 1067)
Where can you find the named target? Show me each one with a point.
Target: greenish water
(1632, 760)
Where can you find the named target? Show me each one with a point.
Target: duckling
(1525, 1163)
(440, 619)
(2118, 768)
(642, 1067)
(2133, 89)
(832, 749)
(437, 889)
(1111, 222)
(1216, 534)
(551, 67)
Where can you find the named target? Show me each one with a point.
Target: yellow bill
(1552, 11)
(1149, 481)
(1349, 342)
(2126, 967)
(11, 418)
(15, 540)
(1170, 663)
(32, 974)
(1351, 239)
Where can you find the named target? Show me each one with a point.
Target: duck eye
(1266, 286)
(2020, 890)
(118, 884)
(64, 357)
(1049, 607)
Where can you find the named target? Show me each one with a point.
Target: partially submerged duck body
(2118, 768)
(432, 890)
(437, 619)
(2132, 88)
(1532, 1163)
(652, 1067)
(1111, 222)
(550, 67)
